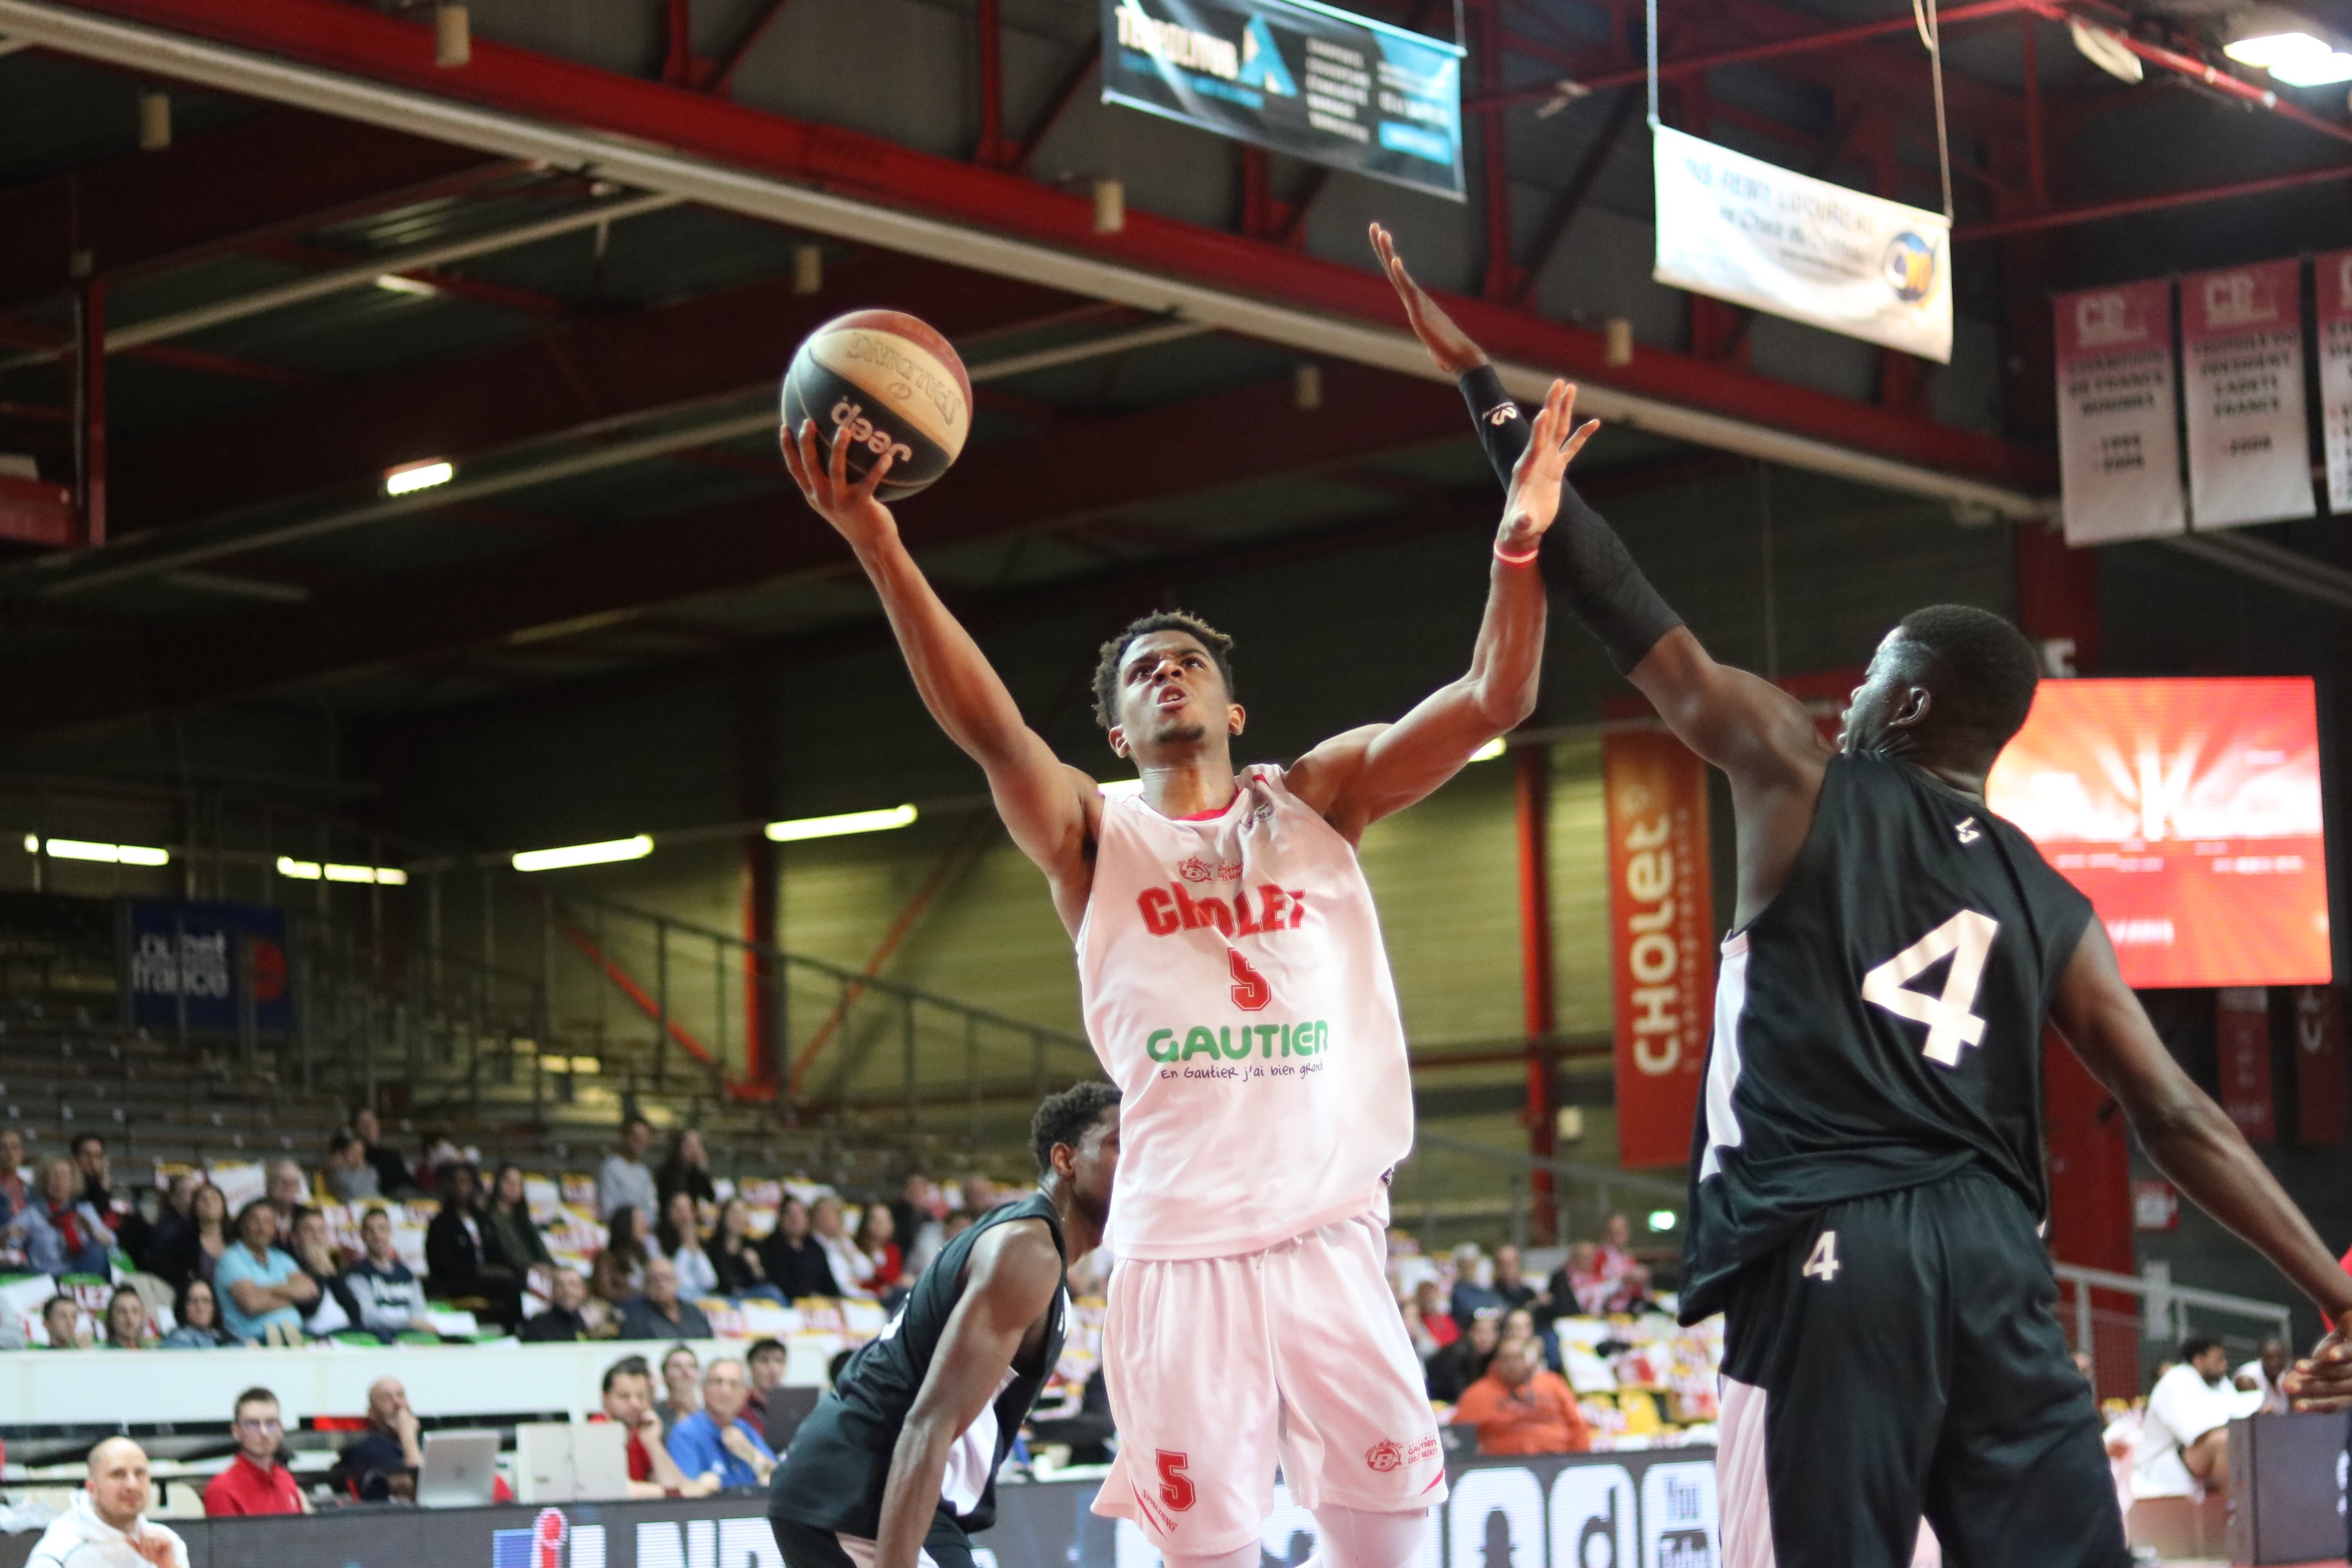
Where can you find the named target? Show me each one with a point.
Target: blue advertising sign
(1296, 77)
(220, 958)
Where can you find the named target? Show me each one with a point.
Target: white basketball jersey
(1238, 992)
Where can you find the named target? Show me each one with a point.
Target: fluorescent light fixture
(1490, 750)
(1118, 789)
(394, 283)
(2314, 70)
(2273, 50)
(423, 476)
(1662, 1219)
(635, 849)
(310, 871)
(843, 822)
(111, 854)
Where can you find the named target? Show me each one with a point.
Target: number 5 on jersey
(1967, 940)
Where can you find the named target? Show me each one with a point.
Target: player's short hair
(1065, 1118)
(764, 1347)
(256, 1394)
(1980, 669)
(627, 1367)
(2196, 1345)
(83, 1138)
(375, 1211)
(1219, 646)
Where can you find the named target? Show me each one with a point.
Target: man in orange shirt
(1519, 1407)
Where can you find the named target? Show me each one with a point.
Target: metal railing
(2146, 1316)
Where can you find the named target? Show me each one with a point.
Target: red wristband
(1518, 560)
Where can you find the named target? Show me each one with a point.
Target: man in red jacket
(254, 1481)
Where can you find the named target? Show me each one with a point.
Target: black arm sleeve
(1583, 560)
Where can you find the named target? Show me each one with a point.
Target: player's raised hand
(824, 478)
(1553, 442)
(2322, 1379)
(1447, 344)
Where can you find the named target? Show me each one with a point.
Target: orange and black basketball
(894, 384)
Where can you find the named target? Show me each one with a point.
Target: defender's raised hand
(1552, 444)
(847, 504)
(1448, 344)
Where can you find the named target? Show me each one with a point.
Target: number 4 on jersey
(1967, 940)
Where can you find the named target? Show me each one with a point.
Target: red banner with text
(2321, 1111)
(2242, 1028)
(1661, 940)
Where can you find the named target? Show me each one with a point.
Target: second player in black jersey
(897, 1463)
(1867, 1177)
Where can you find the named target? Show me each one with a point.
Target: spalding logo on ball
(894, 385)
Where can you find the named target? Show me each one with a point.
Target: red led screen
(2189, 811)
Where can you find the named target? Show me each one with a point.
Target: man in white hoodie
(105, 1527)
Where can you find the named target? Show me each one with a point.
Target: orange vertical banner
(1661, 940)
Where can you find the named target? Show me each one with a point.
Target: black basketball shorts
(811, 1546)
(1903, 1356)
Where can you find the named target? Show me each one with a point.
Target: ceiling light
(1490, 750)
(1118, 789)
(2314, 70)
(635, 849)
(422, 476)
(111, 854)
(394, 283)
(2275, 50)
(310, 871)
(2104, 50)
(845, 822)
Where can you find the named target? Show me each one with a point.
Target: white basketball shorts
(1217, 1367)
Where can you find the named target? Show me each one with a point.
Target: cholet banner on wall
(1753, 233)
(1661, 940)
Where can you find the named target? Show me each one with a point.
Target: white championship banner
(2249, 452)
(2334, 270)
(1756, 233)
(2118, 454)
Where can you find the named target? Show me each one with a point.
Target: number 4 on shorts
(1823, 1264)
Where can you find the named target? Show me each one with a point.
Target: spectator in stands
(877, 1241)
(257, 1480)
(1576, 1287)
(623, 1178)
(392, 1177)
(852, 1270)
(2260, 1377)
(766, 1361)
(382, 1461)
(349, 1177)
(106, 1526)
(263, 1292)
(61, 1321)
(681, 1372)
(1629, 1280)
(564, 1321)
(796, 1262)
(175, 1222)
(619, 1274)
(438, 1152)
(918, 1218)
(716, 1442)
(1472, 1295)
(182, 1255)
(687, 1169)
(514, 1239)
(660, 1313)
(337, 1308)
(457, 1260)
(1430, 1298)
(1464, 1362)
(197, 1310)
(2184, 1442)
(288, 1191)
(63, 1234)
(736, 1257)
(629, 1402)
(12, 1174)
(127, 1327)
(955, 1225)
(979, 1194)
(1520, 1408)
(390, 1297)
(1511, 1281)
(1424, 1343)
(679, 1239)
(124, 1219)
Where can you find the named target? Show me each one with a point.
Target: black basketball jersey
(1879, 1026)
(832, 1476)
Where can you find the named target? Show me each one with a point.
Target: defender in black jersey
(897, 1463)
(1867, 1177)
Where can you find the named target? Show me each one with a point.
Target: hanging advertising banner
(1296, 77)
(2334, 270)
(2248, 453)
(1661, 940)
(2241, 1030)
(2322, 1115)
(1741, 230)
(2118, 449)
(218, 968)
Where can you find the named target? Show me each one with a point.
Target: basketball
(894, 384)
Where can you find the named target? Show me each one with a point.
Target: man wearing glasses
(254, 1481)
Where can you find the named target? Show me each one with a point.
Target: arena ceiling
(573, 265)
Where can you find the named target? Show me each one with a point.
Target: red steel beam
(2218, 78)
(355, 41)
(2128, 207)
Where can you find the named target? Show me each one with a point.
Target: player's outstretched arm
(1010, 1279)
(2192, 1141)
(1358, 778)
(1502, 430)
(1048, 806)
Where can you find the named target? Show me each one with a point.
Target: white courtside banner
(2249, 450)
(2119, 450)
(1756, 233)
(2334, 270)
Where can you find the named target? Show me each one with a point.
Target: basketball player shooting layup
(898, 1464)
(1867, 1178)
(1235, 988)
